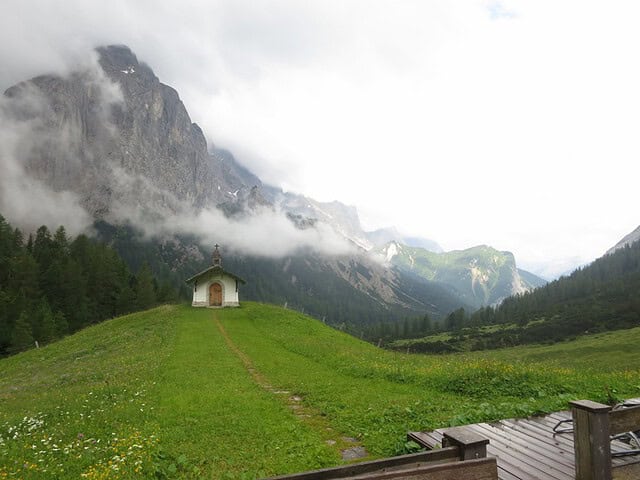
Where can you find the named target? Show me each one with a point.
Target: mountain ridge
(124, 143)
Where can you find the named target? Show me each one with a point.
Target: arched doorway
(215, 295)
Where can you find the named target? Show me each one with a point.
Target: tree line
(52, 285)
(382, 333)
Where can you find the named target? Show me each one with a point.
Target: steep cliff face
(121, 139)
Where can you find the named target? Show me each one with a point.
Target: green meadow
(178, 392)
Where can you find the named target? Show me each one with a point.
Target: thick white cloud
(24, 200)
(510, 123)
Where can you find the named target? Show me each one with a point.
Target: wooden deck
(528, 449)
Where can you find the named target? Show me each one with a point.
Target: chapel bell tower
(216, 257)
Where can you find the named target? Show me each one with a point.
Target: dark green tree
(22, 337)
(42, 323)
(145, 293)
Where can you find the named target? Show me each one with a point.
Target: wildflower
(80, 436)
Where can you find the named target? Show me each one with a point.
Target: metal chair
(629, 438)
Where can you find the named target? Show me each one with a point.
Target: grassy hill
(258, 391)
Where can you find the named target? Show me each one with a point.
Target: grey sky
(508, 123)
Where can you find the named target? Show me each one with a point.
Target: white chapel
(214, 287)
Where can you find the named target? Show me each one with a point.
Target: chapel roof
(214, 269)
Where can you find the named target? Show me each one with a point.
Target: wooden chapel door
(215, 295)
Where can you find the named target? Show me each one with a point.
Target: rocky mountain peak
(139, 150)
(117, 57)
(627, 240)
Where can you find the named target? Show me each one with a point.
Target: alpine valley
(113, 140)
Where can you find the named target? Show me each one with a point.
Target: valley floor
(255, 391)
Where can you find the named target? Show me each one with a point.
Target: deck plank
(521, 455)
(545, 448)
(541, 432)
(507, 462)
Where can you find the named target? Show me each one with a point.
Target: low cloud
(42, 160)
(269, 233)
(263, 231)
(24, 200)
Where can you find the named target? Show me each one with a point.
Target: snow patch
(392, 251)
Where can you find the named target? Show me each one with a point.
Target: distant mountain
(342, 218)
(531, 279)
(627, 240)
(481, 275)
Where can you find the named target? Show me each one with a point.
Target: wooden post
(591, 440)
(470, 444)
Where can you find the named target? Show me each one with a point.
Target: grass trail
(304, 413)
(321, 366)
(218, 420)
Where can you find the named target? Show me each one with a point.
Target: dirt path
(349, 448)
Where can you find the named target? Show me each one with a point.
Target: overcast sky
(509, 123)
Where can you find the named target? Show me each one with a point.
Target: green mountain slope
(480, 275)
(177, 392)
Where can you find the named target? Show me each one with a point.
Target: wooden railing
(463, 457)
(593, 425)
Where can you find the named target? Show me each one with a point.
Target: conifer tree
(22, 337)
(6, 324)
(61, 324)
(145, 293)
(43, 324)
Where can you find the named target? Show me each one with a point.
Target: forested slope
(52, 285)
